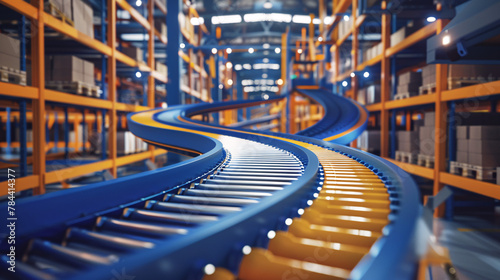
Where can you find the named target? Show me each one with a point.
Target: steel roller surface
(252, 205)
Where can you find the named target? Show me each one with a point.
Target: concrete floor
(474, 246)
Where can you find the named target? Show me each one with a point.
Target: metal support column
(8, 134)
(174, 62)
(385, 86)
(112, 85)
(66, 133)
(23, 162)
(440, 127)
(38, 79)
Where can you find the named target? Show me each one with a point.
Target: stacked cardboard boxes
(461, 72)
(10, 52)
(361, 98)
(369, 141)
(462, 155)
(161, 26)
(484, 141)
(67, 68)
(63, 6)
(345, 27)
(162, 68)
(429, 75)
(407, 142)
(427, 135)
(409, 83)
(127, 143)
(398, 36)
(83, 17)
(372, 52)
(133, 52)
(373, 94)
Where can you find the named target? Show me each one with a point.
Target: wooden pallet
(425, 161)
(473, 171)
(427, 89)
(79, 88)
(11, 75)
(406, 157)
(55, 12)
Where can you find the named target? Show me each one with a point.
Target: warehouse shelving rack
(443, 99)
(39, 96)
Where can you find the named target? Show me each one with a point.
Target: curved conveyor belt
(250, 205)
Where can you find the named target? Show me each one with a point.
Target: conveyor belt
(252, 204)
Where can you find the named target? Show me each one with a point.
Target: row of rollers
(331, 236)
(238, 183)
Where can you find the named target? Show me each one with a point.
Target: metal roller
(138, 228)
(112, 242)
(167, 218)
(190, 208)
(210, 200)
(232, 194)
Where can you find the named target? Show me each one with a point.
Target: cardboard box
(10, 46)
(498, 177)
(482, 132)
(463, 145)
(429, 70)
(361, 97)
(462, 132)
(484, 160)
(426, 146)
(406, 136)
(83, 17)
(430, 119)
(484, 146)
(66, 62)
(373, 94)
(462, 157)
(10, 61)
(133, 52)
(412, 89)
(162, 68)
(161, 26)
(67, 76)
(409, 147)
(410, 78)
(427, 132)
(429, 80)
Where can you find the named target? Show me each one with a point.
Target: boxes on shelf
(127, 143)
(67, 68)
(361, 98)
(477, 145)
(373, 94)
(133, 52)
(162, 68)
(408, 84)
(427, 135)
(10, 52)
(83, 17)
(407, 141)
(402, 33)
(369, 141)
(161, 26)
(344, 27)
(429, 75)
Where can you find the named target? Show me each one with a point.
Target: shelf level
(414, 169)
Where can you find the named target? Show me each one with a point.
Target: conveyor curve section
(185, 220)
